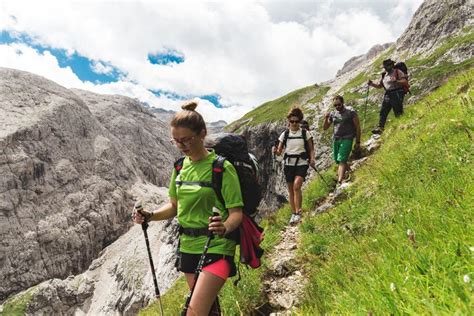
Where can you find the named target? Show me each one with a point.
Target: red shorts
(220, 268)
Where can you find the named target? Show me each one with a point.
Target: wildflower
(392, 287)
(466, 278)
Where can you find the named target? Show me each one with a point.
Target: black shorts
(292, 171)
(187, 263)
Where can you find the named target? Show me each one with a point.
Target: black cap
(388, 62)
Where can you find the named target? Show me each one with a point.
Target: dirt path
(285, 281)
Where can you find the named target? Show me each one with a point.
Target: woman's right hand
(139, 214)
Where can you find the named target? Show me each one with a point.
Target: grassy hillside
(402, 241)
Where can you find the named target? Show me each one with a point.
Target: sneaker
(297, 218)
(377, 130)
(292, 218)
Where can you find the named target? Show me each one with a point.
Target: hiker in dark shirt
(346, 127)
(392, 81)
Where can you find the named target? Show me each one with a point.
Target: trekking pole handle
(139, 209)
(210, 233)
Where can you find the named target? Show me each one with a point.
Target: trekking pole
(139, 209)
(198, 270)
(365, 107)
(321, 176)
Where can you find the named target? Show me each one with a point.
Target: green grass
(358, 256)
(320, 94)
(17, 305)
(276, 110)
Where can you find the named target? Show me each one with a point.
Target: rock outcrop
(434, 21)
(356, 61)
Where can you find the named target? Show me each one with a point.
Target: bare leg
(298, 195)
(341, 170)
(205, 293)
(291, 196)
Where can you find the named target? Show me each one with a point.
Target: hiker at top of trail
(299, 154)
(395, 83)
(193, 201)
(346, 128)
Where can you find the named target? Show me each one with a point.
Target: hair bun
(189, 105)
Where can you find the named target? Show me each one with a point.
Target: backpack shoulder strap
(306, 146)
(217, 175)
(285, 137)
(178, 165)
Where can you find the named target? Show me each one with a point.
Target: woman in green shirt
(193, 204)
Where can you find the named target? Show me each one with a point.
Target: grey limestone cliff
(68, 162)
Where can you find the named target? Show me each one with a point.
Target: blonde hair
(295, 111)
(189, 118)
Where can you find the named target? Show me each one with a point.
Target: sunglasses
(186, 141)
(294, 122)
(337, 104)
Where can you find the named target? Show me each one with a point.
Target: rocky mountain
(72, 160)
(69, 161)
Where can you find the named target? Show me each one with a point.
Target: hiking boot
(378, 130)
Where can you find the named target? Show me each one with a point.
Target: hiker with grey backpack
(297, 145)
(395, 82)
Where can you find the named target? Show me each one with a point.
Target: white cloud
(246, 51)
(101, 68)
(23, 57)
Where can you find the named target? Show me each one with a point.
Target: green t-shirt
(195, 203)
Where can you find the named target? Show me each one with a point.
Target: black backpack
(233, 148)
(403, 68)
(287, 136)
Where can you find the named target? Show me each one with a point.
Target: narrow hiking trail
(284, 281)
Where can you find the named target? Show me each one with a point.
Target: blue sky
(231, 56)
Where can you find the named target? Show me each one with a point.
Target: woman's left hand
(216, 225)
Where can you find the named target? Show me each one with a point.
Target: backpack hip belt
(299, 156)
(193, 232)
(394, 90)
(204, 231)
